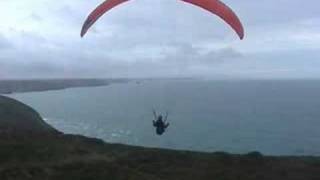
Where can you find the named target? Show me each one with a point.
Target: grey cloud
(27, 70)
(222, 55)
(4, 43)
(30, 37)
(68, 15)
(188, 55)
(36, 17)
(266, 12)
(155, 38)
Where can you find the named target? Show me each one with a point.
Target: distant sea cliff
(18, 86)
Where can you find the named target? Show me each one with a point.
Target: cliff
(32, 149)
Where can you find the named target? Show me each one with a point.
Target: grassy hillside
(47, 154)
(16, 118)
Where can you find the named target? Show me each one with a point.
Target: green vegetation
(16, 117)
(38, 152)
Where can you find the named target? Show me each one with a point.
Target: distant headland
(31, 85)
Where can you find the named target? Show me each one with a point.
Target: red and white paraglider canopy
(214, 6)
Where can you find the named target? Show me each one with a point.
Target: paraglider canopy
(214, 6)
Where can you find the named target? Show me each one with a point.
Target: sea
(274, 117)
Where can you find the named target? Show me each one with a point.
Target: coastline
(39, 85)
(32, 149)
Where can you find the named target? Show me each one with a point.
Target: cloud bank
(160, 38)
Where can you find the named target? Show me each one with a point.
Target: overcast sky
(159, 38)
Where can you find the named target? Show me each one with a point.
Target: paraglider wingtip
(241, 35)
(82, 34)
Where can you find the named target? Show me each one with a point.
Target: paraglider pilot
(160, 124)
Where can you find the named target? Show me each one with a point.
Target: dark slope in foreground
(36, 155)
(16, 117)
